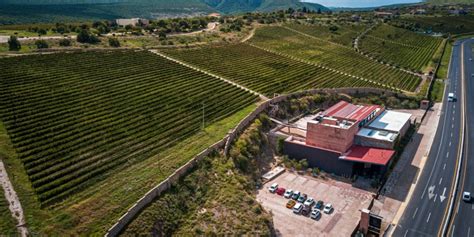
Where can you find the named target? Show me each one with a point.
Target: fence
(225, 144)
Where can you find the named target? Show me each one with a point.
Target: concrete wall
(324, 160)
(331, 138)
(159, 189)
(370, 142)
(225, 144)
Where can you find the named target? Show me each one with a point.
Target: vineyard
(342, 59)
(262, 71)
(400, 47)
(75, 118)
(340, 34)
(444, 24)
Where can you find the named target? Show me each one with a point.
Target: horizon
(360, 3)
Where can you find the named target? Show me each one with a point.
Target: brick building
(347, 139)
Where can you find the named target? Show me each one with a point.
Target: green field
(68, 127)
(402, 48)
(334, 56)
(7, 222)
(263, 71)
(344, 34)
(445, 24)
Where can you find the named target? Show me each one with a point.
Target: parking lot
(346, 200)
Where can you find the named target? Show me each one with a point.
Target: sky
(359, 3)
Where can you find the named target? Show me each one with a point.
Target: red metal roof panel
(368, 155)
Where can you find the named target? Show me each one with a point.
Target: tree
(65, 42)
(114, 42)
(14, 43)
(41, 44)
(85, 37)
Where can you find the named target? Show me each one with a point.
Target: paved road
(427, 208)
(462, 220)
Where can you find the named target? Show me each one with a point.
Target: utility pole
(203, 123)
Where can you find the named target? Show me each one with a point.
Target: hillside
(449, 1)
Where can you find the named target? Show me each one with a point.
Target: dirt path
(12, 198)
(252, 33)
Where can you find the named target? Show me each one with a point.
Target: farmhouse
(132, 22)
(347, 139)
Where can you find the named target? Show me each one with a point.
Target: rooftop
(390, 121)
(346, 110)
(377, 134)
(369, 155)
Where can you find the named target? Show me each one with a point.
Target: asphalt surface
(425, 213)
(462, 219)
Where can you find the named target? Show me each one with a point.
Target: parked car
(319, 205)
(273, 188)
(297, 208)
(280, 191)
(295, 195)
(290, 204)
(306, 210)
(315, 214)
(328, 208)
(309, 202)
(466, 196)
(288, 193)
(302, 198)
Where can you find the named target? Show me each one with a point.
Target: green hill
(449, 1)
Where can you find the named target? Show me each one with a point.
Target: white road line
(449, 143)
(444, 167)
(452, 233)
(454, 106)
(472, 206)
(414, 214)
(440, 180)
(452, 125)
(468, 231)
(451, 134)
(453, 119)
(428, 219)
(406, 232)
(447, 154)
(454, 111)
(434, 200)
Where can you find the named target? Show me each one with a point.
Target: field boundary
(208, 73)
(225, 144)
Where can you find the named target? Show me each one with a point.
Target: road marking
(449, 143)
(472, 206)
(406, 232)
(452, 233)
(440, 180)
(447, 154)
(454, 106)
(443, 196)
(414, 214)
(444, 167)
(434, 200)
(451, 134)
(452, 125)
(454, 111)
(428, 219)
(468, 231)
(453, 118)
(431, 192)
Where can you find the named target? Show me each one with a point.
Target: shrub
(65, 43)
(41, 44)
(114, 42)
(14, 44)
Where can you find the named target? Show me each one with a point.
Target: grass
(97, 208)
(437, 92)
(402, 48)
(7, 222)
(445, 59)
(262, 71)
(97, 201)
(217, 198)
(346, 60)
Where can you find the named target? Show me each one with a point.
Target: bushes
(114, 42)
(41, 44)
(14, 44)
(86, 37)
(65, 42)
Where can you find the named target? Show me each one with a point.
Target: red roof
(368, 155)
(345, 110)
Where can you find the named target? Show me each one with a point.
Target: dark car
(319, 205)
(306, 210)
(302, 198)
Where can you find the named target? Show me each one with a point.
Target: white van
(451, 97)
